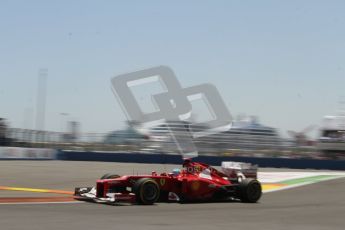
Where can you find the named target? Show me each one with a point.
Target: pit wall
(16, 153)
(212, 160)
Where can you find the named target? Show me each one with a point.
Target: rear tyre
(250, 190)
(109, 176)
(146, 190)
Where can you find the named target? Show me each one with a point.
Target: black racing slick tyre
(250, 190)
(146, 190)
(109, 176)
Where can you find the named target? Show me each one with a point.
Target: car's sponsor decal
(195, 185)
(162, 181)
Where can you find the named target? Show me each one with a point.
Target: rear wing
(234, 170)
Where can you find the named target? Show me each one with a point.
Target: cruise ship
(244, 134)
(249, 134)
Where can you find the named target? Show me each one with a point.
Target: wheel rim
(150, 192)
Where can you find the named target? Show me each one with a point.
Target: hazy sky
(283, 61)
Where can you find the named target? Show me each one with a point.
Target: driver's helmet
(176, 171)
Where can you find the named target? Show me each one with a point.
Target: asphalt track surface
(315, 206)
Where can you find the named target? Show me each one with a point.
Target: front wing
(89, 194)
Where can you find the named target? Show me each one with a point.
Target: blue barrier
(212, 160)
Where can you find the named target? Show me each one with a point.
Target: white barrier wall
(27, 153)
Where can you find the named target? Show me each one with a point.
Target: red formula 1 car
(195, 182)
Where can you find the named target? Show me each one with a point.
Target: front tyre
(250, 190)
(146, 190)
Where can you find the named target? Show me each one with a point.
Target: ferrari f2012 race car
(195, 182)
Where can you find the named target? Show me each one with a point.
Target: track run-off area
(39, 195)
(272, 179)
